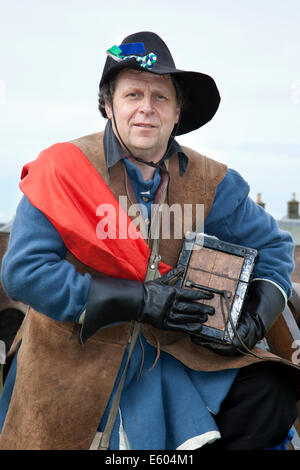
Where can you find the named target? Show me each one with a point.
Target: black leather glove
(263, 305)
(113, 301)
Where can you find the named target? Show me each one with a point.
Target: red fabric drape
(64, 185)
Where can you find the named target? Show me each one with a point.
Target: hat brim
(201, 95)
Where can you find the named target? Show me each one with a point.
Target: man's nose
(146, 104)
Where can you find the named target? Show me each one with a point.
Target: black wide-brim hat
(201, 95)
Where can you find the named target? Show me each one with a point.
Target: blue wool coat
(171, 406)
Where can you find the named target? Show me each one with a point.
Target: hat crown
(201, 95)
(153, 43)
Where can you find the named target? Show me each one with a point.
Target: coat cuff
(274, 284)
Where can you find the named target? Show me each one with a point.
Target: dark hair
(107, 90)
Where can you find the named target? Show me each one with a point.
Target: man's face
(145, 110)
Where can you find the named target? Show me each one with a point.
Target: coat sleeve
(35, 272)
(236, 218)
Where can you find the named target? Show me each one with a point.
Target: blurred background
(52, 54)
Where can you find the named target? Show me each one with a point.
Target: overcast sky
(52, 53)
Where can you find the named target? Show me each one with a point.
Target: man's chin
(141, 145)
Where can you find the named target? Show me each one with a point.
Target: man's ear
(178, 111)
(108, 109)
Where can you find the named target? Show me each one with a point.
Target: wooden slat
(284, 340)
(294, 303)
(283, 336)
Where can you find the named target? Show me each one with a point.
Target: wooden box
(222, 268)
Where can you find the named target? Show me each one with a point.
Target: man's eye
(131, 95)
(161, 97)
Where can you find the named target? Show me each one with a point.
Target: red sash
(64, 185)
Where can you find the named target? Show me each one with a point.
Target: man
(109, 343)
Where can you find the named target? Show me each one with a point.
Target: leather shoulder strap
(92, 147)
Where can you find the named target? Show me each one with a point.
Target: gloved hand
(113, 301)
(263, 305)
